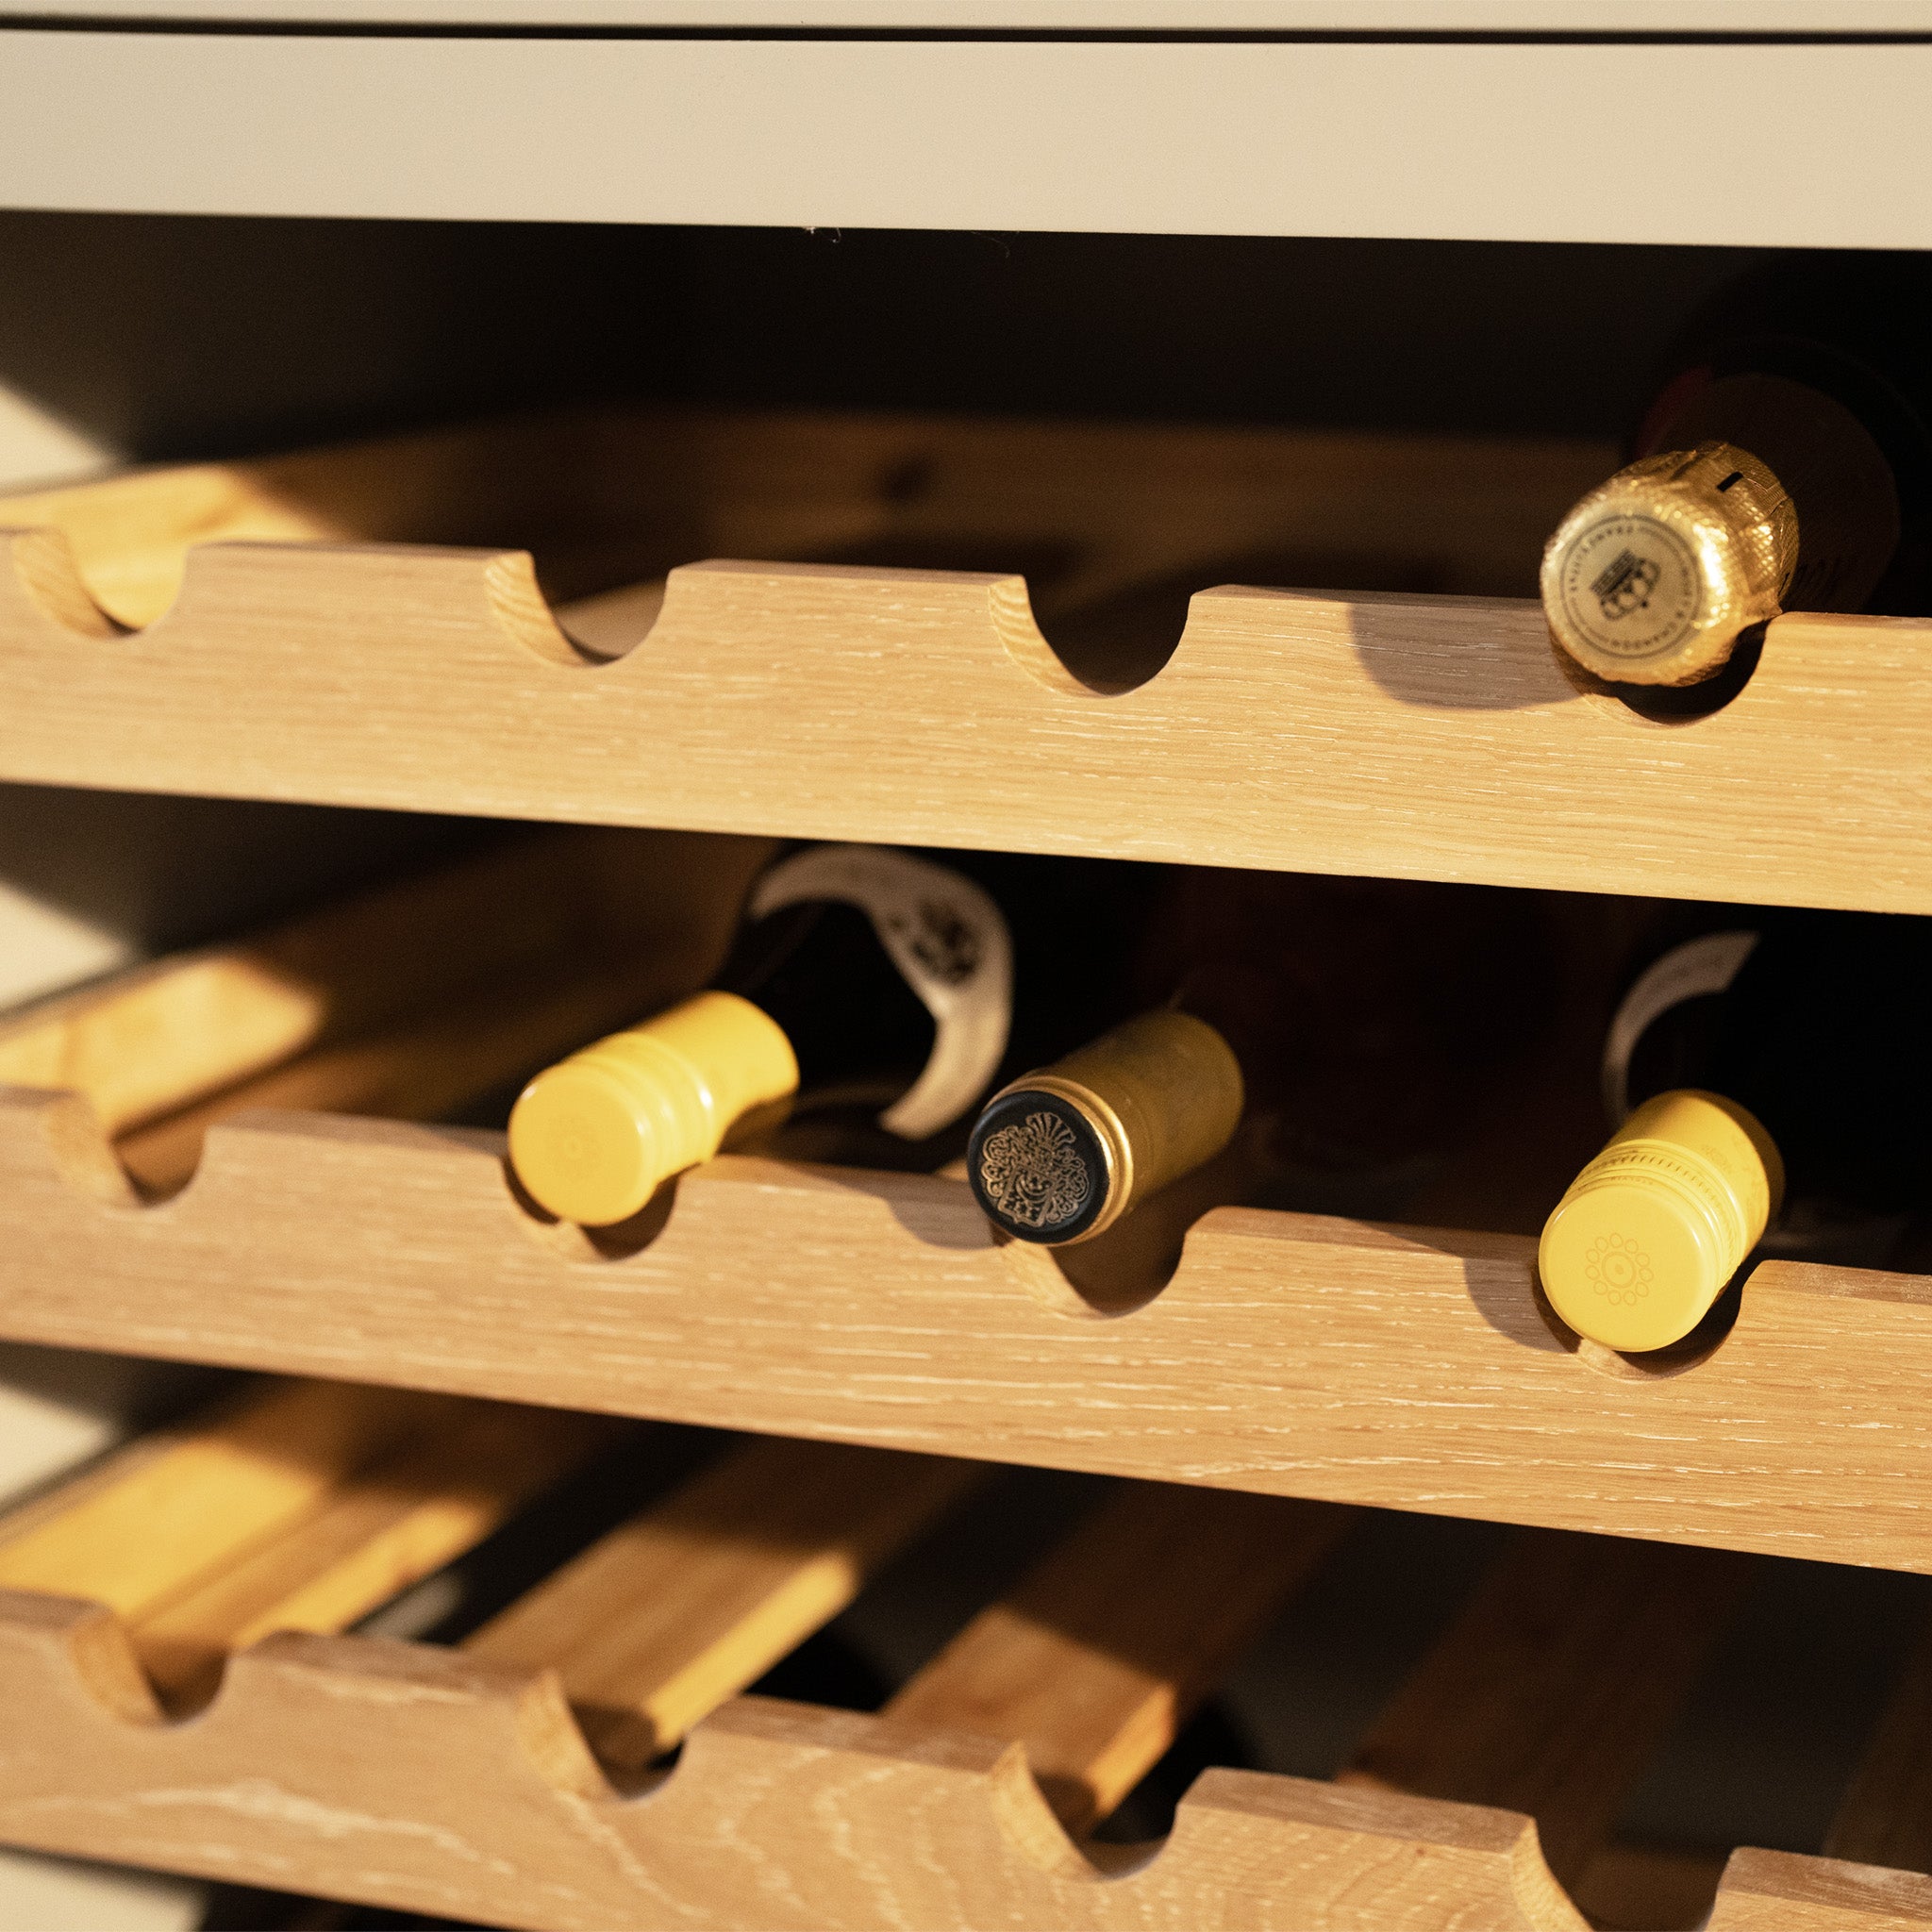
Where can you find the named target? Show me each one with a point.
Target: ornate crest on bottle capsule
(1037, 1167)
(1654, 575)
(1031, 1171)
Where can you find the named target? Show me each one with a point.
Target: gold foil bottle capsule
(1060, 1155)
(592, 1138)
(1654, 575)
(1650, 1232)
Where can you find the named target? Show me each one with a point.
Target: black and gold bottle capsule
(1061, 1153)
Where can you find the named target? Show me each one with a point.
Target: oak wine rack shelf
(1000, 635)
(463, 1779)
(429, 1783)
(1290, 1354)
(1394, 733)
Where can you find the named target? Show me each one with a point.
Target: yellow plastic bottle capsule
(1060, 1155)
(1654, 575)
(1649, 1233)
(592, 1138)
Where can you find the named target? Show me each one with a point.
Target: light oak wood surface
(654, 1624)
(1291, 1355)
(1103, 1651)
(1419, 737)
(395, 1523)
(606, 497)
(136, 1530)
(423, 1779)
(1779, 1892)
(1373, 729)
(410, 1001)
(300, 1506)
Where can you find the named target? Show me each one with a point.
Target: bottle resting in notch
(1781, 1060)
(1345, 1028)
(861, 976)
(1784, 463)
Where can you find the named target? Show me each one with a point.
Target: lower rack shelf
(519, 1778)
(1289, 1354)
(429, 1783)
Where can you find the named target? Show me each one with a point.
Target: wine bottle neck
(890, 974)
(1822, 453)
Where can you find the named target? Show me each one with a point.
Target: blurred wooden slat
(661, 1620)
(1779, 1891)
(1885, 1817)
(377, 1534)
(154, 1520)
(161, 1037)
(1550, 1690)
(615, 494)
(1103, 1651)
(431, 1065)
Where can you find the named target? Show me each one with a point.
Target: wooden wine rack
(454, 1783)
(777, 1815)
(1409, 736)
(316, 652)
(1285, 1356)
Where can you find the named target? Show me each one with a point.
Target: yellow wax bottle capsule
(1647, 1236)
(1653, 576)
(594, 1137)
(1060, 1155)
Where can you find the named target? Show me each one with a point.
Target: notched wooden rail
(425, 1780)
(1409, 736)
(1290, 1354)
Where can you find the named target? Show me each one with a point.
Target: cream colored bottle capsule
(594, 1137)
(1060, 1155)
(1654, 575)
(1649, 1233)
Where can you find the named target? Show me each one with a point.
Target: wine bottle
(1346, 1026)
(1784, 1058)
(861, 976)
(1785, 462)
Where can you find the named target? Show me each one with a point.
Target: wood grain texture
(611, 495)
(298, 1507)
(1400, 736)
(654, 1624)
(1779, 1892)
(628, 916)
(138, 1530)
(1291, 1355)
(418, 1778)
(372, 1538)
(423, 1779)
(1406, 735)
(1103, 1651)
(1549, 1691)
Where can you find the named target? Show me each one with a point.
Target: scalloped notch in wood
(1284, 1355)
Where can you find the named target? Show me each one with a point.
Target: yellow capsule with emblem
(1647, 1237)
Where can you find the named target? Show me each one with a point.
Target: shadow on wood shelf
(521, 1778)
(1289, 1354)
(1384, 728)
(777, 1814)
